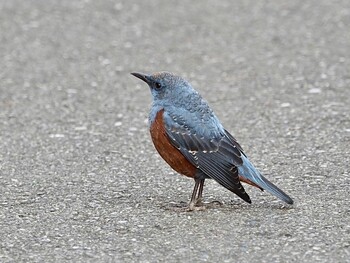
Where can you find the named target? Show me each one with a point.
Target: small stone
(314, 91)
(57, 135)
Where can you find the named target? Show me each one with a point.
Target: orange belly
(169, 153)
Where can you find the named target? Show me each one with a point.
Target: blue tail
(248, 171)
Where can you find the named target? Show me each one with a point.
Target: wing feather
(214, 155)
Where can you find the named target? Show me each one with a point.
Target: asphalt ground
(80, 180)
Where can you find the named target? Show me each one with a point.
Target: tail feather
(273, 189)
(248, 171)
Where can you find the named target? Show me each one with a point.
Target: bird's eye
(158, 85)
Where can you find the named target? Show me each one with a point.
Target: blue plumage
(248, 171)
(193, 129)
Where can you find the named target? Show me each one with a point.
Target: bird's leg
(199, 204)
(196, 199)
(200, 193)
(196, 195)
(192, 203)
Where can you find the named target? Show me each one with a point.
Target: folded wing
(213, 152)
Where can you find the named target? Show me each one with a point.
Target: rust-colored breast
(169, 153)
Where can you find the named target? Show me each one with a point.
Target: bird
(190, 138)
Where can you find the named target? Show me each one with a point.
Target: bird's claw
(198, 205)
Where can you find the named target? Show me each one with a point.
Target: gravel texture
(80, 180)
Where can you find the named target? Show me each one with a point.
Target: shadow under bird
(191, 139)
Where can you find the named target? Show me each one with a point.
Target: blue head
(179, 100)
(182, 104)
(166, 88)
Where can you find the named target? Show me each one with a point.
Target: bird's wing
(209, 149)
(234, 142)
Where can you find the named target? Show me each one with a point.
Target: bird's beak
(144, 77)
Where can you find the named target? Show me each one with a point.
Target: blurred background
(79, 177)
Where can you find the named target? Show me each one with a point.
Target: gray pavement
(80, 180)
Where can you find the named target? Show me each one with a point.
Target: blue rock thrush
(190, 138)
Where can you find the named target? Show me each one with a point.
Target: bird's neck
(153, 112)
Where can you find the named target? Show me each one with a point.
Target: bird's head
(166, 87)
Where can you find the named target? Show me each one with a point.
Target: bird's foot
(215, 203)
(198, 205)
(198, 202)
(184, 207)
